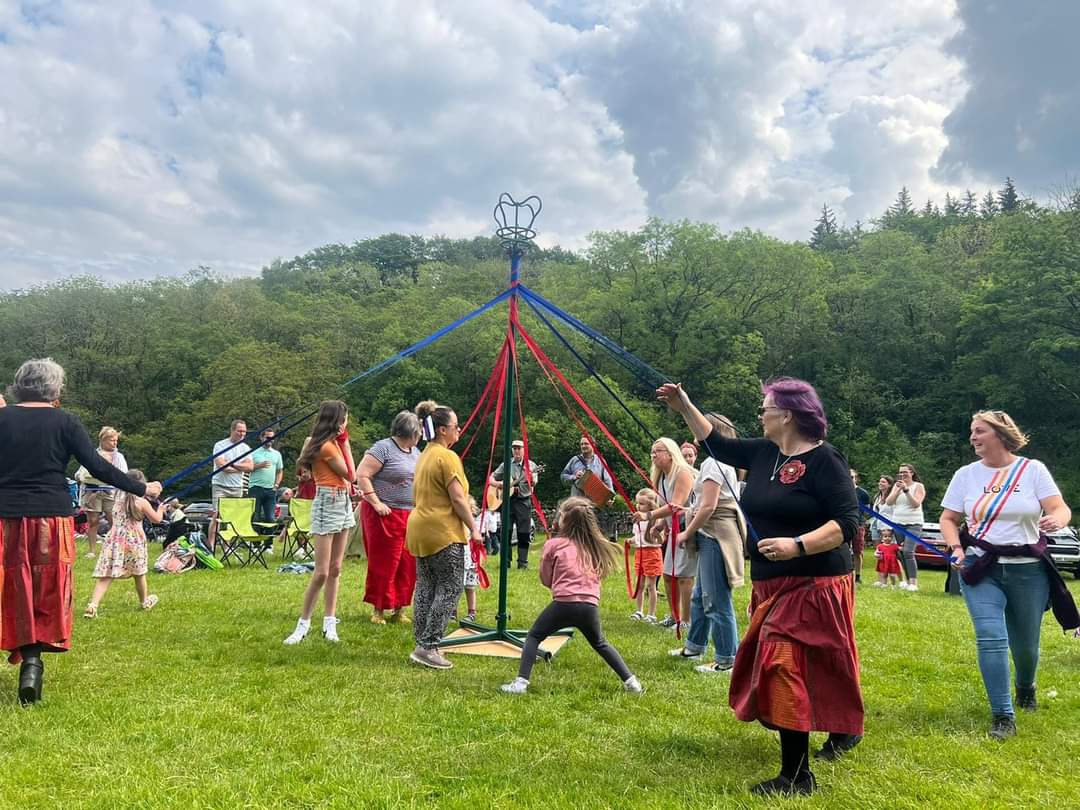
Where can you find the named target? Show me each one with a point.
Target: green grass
(199, 704)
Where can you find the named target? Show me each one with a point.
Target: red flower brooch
(792, 472)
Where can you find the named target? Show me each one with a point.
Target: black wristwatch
(802, 548)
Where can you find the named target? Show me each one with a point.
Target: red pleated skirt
(36, 583)
(391, 572)
(798, 667)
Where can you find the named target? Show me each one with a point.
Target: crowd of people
(786, 501)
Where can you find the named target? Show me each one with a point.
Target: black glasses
(761, 411)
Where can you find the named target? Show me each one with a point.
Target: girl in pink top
(574, 561)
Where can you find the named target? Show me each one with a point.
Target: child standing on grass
(123, 554)
(472, 578)
(888, 559)
(574, 561)
(648, 541)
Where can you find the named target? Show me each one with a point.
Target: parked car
(924, 557)
(1065, 549)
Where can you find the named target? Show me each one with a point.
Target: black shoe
(802, 785)
(837, 745)
(523, 566)
(31, 678)
(1025, 698)
(1002, 727)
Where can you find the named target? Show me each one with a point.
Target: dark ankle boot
(31, 678)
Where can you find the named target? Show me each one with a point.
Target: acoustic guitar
(494, 494)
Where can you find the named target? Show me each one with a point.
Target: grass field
(198, 703)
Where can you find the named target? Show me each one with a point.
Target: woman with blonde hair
(717, 528)
(673, 480)
(98, 498)
(1008, 503)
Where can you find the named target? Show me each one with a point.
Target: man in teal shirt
(265, 477)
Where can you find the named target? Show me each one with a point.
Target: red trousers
(36, 584)
(391, 573)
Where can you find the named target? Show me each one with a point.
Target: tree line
(906, 327)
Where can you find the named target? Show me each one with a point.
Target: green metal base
(485, 634)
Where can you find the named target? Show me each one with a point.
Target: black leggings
(584, 617)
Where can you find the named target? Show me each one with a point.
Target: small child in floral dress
(123, 554)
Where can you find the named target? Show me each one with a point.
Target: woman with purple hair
(797, 669)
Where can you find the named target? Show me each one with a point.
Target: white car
(1065, 549)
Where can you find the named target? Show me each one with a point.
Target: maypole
(514, 222)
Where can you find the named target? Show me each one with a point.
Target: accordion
(595, 489)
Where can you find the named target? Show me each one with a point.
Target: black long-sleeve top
(821, 491)
(36, 445)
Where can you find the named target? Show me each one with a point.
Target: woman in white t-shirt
(906, 500)
(1005, 500)
(717, 530)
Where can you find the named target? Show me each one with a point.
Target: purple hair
(799, 397)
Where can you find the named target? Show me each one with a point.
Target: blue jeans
(265, 503)
(711, 608)
(1007, 608)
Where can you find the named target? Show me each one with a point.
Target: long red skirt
(37, 587)
(391, 573)
(798, 668)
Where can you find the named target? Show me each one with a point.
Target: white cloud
(141, 137)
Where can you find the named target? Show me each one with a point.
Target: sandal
(90, 612)
(398, 617)
(378, 618)
(149, 602)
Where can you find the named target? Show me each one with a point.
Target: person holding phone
(906, 500)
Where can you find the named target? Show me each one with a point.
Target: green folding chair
(237, 536)
(298, 529)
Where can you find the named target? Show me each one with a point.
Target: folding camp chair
(298, 529)
(237, 536)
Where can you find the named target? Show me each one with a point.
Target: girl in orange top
(329, 458)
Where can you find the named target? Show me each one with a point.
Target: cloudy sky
(147, 137)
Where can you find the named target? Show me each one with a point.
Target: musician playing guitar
(521, 487)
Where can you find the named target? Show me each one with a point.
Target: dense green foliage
(906, 329)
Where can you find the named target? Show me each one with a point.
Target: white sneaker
(518, 686)
(912, 587)
(649, 619)
(301, 631)
(329, 629)
(879, 585)
(637, 616)
(682, 652)
(90, 555)
(713, 669)
(633, 685)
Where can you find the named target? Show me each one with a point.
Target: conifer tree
(824, 233)
(988, 207)
(1008, 200)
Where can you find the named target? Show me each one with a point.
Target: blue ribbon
(638, 367)
(376, 369)
(896, 527)
(587, 367)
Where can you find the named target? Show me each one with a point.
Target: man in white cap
(521, 487)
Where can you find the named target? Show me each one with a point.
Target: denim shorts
(331, 511)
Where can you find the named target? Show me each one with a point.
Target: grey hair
(39, 380)
(405, 426)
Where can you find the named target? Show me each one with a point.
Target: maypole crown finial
(515, 221)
